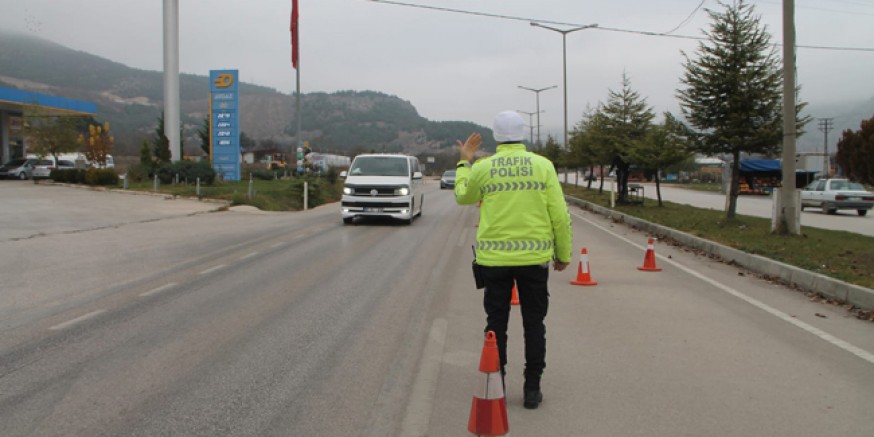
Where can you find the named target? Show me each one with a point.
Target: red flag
(294, 38)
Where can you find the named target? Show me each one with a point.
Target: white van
(82, 162)
(382, 185)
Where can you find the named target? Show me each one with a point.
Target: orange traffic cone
(488, 414)
(515, 299)
(584, 275)
(649, 264)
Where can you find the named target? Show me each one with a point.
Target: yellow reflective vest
(524, 219)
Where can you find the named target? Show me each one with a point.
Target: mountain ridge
(132, 100)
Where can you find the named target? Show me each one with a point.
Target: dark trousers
(533, 301)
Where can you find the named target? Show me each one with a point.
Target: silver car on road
(832, 195)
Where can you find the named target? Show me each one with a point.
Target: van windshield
(379, 166)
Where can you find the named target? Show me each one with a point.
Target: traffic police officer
(524, 224)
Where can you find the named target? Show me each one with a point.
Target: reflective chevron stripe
(498, 187)
(514, 245)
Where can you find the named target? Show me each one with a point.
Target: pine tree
(551, 151)
(203, 134)
(733, 90)
(665, 145)
(626, 121)
(161, 143)
(146, 155)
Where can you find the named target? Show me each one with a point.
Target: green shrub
(101, 176)
(188, 172)
(264, 175)
(68, 176)
(332, 174)
(139, 173)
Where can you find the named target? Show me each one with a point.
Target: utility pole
(537, 92)
(530, 123)
(564, 33)
(786, 219)
(825, 125)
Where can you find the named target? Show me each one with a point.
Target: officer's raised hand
(469, 147)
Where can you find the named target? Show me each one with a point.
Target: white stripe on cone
(584, 262)
(490, 388)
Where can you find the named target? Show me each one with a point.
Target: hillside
(132, 100)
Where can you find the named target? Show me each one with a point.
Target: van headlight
(347, 190)
(402, 191)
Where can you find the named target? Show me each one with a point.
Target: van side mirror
(417, 175)
(343, 174)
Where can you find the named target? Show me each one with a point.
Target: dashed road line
(158, 290)
(212, 269)
(72, 322)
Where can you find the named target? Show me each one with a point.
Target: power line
(683, 23)
(608, 29)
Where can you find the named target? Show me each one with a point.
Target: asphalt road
(175, 319)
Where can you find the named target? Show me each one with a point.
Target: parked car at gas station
(832, 195)
(18, 169)
(43, 168)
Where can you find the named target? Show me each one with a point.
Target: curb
(806, 280)
(221, 203)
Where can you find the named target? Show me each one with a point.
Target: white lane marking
(212, 269)
(418, 415)
(248, 255)
(158, 290)
(72, 322)
(859, 352)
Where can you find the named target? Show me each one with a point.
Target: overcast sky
(456, 65)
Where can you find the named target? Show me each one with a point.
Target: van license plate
(372, 209)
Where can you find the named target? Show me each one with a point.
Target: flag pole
(298, 142)
(295, 62)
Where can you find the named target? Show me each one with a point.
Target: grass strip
(842, 255)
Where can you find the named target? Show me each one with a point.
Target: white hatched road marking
(859, 352)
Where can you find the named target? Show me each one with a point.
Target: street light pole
(564, 33)
(537, 92)
(530, 122)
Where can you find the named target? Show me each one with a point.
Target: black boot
(533, 398)
(532, 394)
